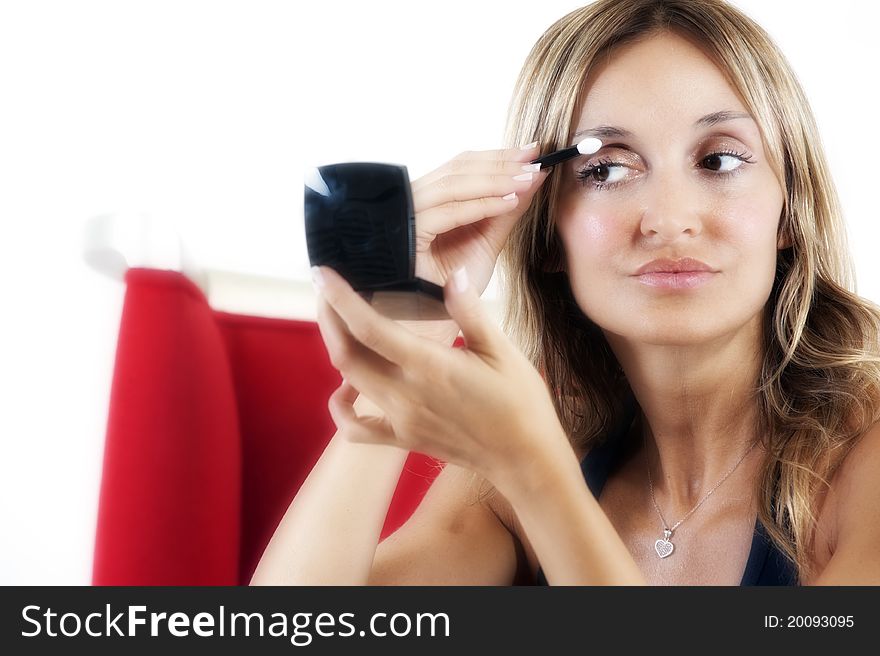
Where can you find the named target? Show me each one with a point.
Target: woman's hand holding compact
(484, 407)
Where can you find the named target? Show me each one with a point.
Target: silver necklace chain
(664, 547)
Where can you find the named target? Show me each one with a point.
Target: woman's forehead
(661, 79)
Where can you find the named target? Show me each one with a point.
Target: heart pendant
(664, 548)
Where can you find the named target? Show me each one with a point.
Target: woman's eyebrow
(611, 131)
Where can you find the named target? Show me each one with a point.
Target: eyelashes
(586, 175)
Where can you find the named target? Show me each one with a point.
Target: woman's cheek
(594, 243)
(751, 229)
(756, 237)
(591, 237)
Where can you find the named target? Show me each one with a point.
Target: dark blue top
(766, 564)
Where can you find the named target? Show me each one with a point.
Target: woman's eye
(607, 174)
(602, 174)
(724, 162)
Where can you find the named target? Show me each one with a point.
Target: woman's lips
(671, 265)
(680, 280)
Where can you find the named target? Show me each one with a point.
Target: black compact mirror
(359, 221)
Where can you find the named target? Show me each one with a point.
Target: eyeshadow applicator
(586, 146)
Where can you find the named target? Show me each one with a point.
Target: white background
(205, 114)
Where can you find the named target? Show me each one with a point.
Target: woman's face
(674, 187)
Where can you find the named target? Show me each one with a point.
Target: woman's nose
(670, 207)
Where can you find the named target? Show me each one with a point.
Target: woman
(726, 421)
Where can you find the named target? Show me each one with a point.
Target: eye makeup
(587, 174)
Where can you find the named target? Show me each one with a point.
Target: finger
(481, 333)
(507, 154)
(341, 404)
(472, 167)
(444, 218)
(481, 161)
(374, 331)
(375, 430)
(447, 216)
(469, 187)
(346, 393)
(366, 370)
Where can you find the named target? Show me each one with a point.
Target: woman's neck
(698, 411)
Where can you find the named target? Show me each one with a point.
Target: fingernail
(460, 279)
(317, 278)
(509, 196)
(529, 146)
(524, 176)
(531, 167)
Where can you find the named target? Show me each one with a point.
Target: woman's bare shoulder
(848, 525)
(857, 468)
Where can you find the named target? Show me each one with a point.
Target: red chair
(215, 420)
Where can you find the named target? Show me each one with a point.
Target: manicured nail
(524, 176)
(529, 146)
(317, 278)
(531, 167)
(510, 196)
(460, 278)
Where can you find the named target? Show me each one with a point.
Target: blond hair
(820, 379)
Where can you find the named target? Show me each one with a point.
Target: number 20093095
(808, 621)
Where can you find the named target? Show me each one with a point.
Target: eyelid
(705, 144)
(614, 146)
(583, 172)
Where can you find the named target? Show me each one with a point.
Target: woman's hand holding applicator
(466, 208)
